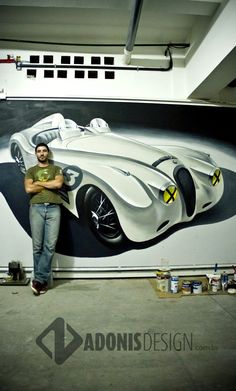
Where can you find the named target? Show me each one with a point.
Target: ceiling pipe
(173, 44)
(133, 27)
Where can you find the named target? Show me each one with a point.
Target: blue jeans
(45, 225)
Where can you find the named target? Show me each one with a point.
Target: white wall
(196, 246)
(135, 84)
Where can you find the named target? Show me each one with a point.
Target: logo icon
(61, 352)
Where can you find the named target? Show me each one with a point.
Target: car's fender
(121, 185)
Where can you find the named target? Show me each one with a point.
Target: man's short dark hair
(42, 145)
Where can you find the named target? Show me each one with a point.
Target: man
(42, 183)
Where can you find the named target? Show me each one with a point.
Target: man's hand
(32, 187)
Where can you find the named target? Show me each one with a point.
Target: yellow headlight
(170, 194)
(216, 177)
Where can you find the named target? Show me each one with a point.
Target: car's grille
(187, 188)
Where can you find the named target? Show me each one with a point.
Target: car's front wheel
(102, 217)
(18, 157)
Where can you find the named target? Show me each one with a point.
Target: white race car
(123, 188)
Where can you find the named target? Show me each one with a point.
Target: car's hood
(110, 144)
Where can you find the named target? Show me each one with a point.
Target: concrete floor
(183, 343)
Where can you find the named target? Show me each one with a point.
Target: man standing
(42, 183)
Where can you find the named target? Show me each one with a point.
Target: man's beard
(42, 159)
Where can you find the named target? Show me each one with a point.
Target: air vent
(109, 60)
(31, 73)
(79, 74)
(92, 74)
(48, 59)
(65, 59)
(163, 225)
(78, 60)
(62, 74)
(109, 75)
(34, 59)
(48, 73)
(95, 60)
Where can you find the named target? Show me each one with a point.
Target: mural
(124, 189)
(128, 189)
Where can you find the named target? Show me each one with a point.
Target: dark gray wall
(206, 121)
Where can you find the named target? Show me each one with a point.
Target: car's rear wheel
(102, 217)
(18, 157)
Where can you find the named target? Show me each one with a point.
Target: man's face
(42, 154)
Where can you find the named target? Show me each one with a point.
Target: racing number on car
(72, 178)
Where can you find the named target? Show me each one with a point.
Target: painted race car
(125, 189)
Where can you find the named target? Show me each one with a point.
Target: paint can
(197, 287)
(186, 287)
(215, 283)
(163, 280)
(174, 282)
(214, 287)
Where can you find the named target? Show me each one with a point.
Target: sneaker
(36, 286)
(43, 289)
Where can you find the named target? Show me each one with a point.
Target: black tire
(18, 157)
(102, 218)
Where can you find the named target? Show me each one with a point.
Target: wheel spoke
(107, 226)
(110, 213)
(103, 217)
(100, 203)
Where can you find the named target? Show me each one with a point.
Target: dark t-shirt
(44, 174)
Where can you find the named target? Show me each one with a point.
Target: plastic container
(174, 284)
(163, 280)
(214, 283)
(224, 281)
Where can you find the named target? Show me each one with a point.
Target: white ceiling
(102, 26)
